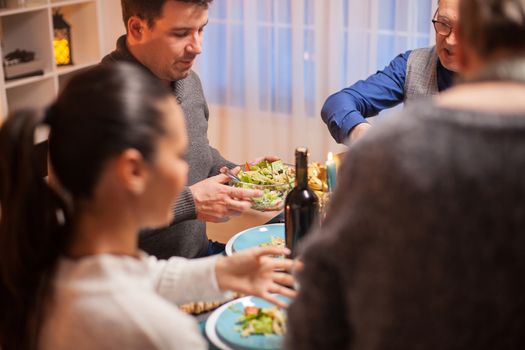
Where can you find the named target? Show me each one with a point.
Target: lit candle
(331, 172)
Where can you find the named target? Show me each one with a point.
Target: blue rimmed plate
(221, 327)
(254, 237)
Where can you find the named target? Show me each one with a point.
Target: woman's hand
(253, 272)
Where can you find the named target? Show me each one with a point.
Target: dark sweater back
(424, 245)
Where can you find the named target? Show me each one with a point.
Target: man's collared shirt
(366, 98)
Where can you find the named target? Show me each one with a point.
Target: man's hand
(217, 202)
(260, 159)
(358, 131)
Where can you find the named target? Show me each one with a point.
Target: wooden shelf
(38, 94)
(31, 6)
(68, 2)
(23, 81)
(69, 69)
(31, 28)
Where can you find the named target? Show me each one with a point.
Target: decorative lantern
(62, 40)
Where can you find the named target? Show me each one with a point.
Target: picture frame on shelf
(21, 64)
(24, 70)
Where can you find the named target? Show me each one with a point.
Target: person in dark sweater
(164, 38)
(424, 243)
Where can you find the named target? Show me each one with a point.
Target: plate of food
(274, 179)
(247, 323)
(258, 236)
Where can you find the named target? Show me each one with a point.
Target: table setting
(261, 226)
(239, 324)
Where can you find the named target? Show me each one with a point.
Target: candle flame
(330, 156)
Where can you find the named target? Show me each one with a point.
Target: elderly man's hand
(358, 131)
(217, 202)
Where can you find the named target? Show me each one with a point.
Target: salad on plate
(266, 321)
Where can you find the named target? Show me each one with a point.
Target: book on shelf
(24, 70)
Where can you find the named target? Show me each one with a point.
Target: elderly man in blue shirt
(414, 74)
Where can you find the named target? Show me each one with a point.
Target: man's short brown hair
(150, 10)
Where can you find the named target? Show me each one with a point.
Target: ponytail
(31, 234)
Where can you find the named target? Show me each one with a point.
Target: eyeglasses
(441, 28)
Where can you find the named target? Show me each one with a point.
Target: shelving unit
(30, 27)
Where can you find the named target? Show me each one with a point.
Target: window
(222, 66)
(379, 30)
(250, 48)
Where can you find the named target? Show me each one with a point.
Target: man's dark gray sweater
(186, 236)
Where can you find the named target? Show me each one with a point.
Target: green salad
(275, 179)
(262, 321)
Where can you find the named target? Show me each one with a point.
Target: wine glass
(324, 200)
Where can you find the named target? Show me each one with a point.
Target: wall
(112, 25)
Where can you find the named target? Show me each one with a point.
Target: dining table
(222, 232)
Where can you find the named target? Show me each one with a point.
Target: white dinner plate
(211, 323)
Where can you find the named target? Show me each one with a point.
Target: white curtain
(269, 65)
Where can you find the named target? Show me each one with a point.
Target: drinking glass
(324, 200)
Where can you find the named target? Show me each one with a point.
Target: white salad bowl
(274, 194)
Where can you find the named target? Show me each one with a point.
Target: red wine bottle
(301, 206)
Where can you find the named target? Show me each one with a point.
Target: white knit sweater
(120, 302)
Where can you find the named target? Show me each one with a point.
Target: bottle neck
(301, 170)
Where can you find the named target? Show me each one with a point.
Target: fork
(226, 171)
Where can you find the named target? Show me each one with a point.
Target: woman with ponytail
(71, 275)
